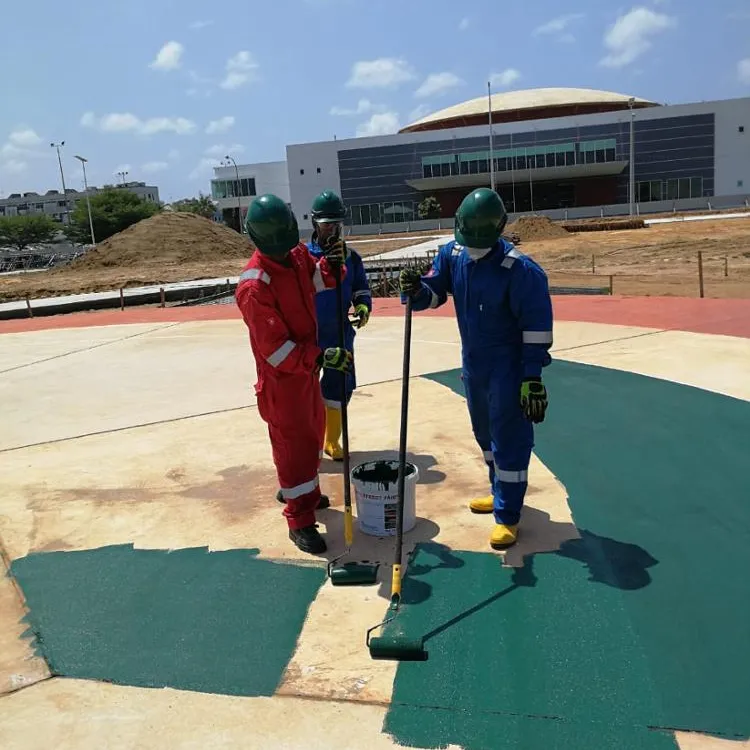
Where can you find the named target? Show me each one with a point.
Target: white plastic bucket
(376, 496)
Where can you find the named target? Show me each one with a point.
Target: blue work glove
(410, 282)
(335, 358)
(533, 399)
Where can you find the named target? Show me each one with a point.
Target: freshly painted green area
(643, 622)
(218, 622)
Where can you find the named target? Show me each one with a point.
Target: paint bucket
(376, 496)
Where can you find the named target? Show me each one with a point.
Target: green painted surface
(643, 622)
(219, 622)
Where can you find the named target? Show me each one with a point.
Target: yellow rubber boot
(331, 447)
(482, 504)
(503, 536)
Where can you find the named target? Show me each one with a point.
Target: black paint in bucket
(382, 473)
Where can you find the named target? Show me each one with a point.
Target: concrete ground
(140, 428)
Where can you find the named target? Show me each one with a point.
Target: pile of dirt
(604, 225)
(536, 228)
(166, 239)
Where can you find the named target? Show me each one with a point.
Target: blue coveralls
(504, 315)
(355, 290)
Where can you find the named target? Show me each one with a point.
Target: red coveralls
(278, 306)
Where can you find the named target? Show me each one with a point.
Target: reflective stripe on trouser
(293, 411)
(503, 432)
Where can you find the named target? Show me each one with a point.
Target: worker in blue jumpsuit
(504, 315)
(328, 215)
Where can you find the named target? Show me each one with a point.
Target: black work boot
(324, 502)
(308, 539)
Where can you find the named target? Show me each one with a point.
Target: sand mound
(536, 228)
(169, 238)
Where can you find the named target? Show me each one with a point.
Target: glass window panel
(644, 191)
(356, 217)
(655, 190)
(610, 154)
(570, 158)
(672, 189)
(464, 165)
(365, 217)
(696, 187)
(684, 188)
(600, 155)
(560, 159)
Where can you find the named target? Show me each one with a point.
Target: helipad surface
(153, 576)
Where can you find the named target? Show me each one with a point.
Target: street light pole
(88, 202)
(57, 147)
(492, 159)
(631, 102)
(239, 203)
(123, 175)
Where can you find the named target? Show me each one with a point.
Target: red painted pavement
(730, 317)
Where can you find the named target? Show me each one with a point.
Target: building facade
(550, 149)
(56, 205)
(234, 189)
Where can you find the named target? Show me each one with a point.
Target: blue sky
(164, 88)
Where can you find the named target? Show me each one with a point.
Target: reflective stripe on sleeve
(537, 337)
(510, 258)
(281, 353)
(255, 273)
(513, 477)
(331, 404)
(488, 456)
(292, 493)
(318, 282)
(434, 299)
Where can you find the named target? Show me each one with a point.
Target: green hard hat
(480, 219)
(271, 225)
(328, 207)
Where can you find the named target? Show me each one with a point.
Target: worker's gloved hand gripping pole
(352, 573)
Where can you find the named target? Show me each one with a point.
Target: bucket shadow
(424, 463)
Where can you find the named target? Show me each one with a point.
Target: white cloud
(25, 138)
(463, 24)
(629, 37)
(504, 78)
(203, 169)
(241, 69)
(220, 126)
(558, 27)
(169, 57)
(173, 154)
(126, 122)
(200, 24)
(438, 83)
(13, 166)
(381, 123)
(418, 112)
(385, 72)
(363, 107)
(154, 166)
(211, 158)
(743, 71)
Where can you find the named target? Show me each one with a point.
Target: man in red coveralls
(276, 295)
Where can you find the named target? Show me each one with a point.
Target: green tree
(429, 208)
(21, 231)
(202, 205)
(112, 210)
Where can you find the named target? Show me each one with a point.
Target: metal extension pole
(631, 102)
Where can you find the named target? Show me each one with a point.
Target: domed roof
(527, 105)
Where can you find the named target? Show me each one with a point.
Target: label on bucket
(376, 496)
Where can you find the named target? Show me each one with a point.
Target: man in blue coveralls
(504, 314)
(328, 215)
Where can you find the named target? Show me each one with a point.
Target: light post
(492, 159)
(57, 147)
(88, 202)
(239, 203)
(123, 175)
(631, 102)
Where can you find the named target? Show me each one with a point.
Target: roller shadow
(423, 461)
